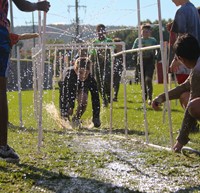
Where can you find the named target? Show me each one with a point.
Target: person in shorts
(6, 152)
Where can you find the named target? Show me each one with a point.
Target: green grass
(157, 127)
(61, 156)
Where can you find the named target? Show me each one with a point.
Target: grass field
(158, 125)
(70, 159)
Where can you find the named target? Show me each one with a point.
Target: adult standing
(7, 153)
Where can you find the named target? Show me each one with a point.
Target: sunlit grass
(68, 154)
(157, 122)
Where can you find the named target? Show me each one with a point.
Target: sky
(108, 12)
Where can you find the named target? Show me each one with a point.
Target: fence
(26, 74)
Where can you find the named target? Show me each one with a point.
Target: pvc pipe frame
(164, 65)
(19, 87)
(93, 46)
(41, 78)
(140, 49)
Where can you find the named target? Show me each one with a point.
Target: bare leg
(184, 99)
(3, 112)
(149, 84)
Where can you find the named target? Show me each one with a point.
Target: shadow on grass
(151, 109)
(122, 107)
(14, 127)
(82, 131)
(58, 182)
(106, 131)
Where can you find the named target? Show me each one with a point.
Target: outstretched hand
(155, 105)
(177, 147)
(43, 6)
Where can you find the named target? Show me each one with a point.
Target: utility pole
(77, 20)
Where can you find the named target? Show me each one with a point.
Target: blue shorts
(4, 51)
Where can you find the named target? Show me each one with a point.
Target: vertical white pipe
(34, 82)
(142, 74)
(125, 92)
(49, 70)
(111, 88)
(19, 87)
(60, 66)
(54, 74)
(164, 65)
(165, 58)
(41, 79)
(39, 25)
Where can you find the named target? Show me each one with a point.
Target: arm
(14, 38)
(28, 36)
(27, 6)
(173, 94)
(188, 121)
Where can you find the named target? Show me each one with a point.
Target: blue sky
(109, 12)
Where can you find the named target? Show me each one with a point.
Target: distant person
(102, 64)
(118, 68)
(6, 152)
(187, 52)
(77, 82)
(148, 59)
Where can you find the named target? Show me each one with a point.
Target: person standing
(148, 60)
(102, 64)
(6, 152)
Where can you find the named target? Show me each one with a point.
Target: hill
(63, 33)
